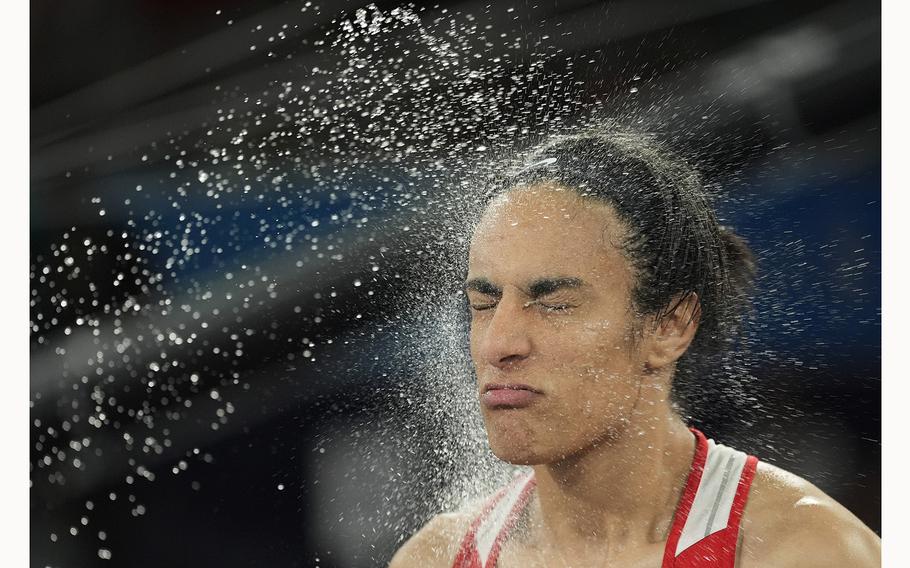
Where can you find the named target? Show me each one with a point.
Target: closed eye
(550, 307)
(478, 307)
(555, 307)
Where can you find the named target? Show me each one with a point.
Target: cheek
(596, 376)
(615, 339)
(594, 349)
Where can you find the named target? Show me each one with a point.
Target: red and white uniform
(704, 532)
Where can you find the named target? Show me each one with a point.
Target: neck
(623, 490)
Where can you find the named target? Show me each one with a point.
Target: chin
(520, 457)
(519, 444)
(517, 448)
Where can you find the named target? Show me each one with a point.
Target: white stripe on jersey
(714, 499)
(490, 528)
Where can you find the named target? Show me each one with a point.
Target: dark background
(299, 472)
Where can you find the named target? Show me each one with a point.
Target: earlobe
(674, 333)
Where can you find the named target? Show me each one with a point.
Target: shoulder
(789, 522)
(436, 544)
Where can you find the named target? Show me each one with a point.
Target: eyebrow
(536, 289)
(483, 286)
(544, 286)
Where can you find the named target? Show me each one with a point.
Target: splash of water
(364, 149)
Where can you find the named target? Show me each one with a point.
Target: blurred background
(247, 230)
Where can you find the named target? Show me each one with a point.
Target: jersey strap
(481, 545)
(706, 527)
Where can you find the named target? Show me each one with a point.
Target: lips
(509, 395)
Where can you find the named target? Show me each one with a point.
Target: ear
(674, 333)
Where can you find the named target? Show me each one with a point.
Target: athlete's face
(552, 326)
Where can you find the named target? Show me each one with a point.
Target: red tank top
(705, 528)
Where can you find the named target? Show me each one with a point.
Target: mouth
(502, 396)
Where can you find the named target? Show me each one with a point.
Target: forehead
(546, 230)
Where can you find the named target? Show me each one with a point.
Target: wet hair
(673, 241)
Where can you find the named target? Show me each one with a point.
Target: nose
(504, 339)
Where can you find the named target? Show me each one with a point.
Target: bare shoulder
(436, 544)
(789, 522)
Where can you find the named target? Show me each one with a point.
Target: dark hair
(675, 243)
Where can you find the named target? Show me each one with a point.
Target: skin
(551, 309)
